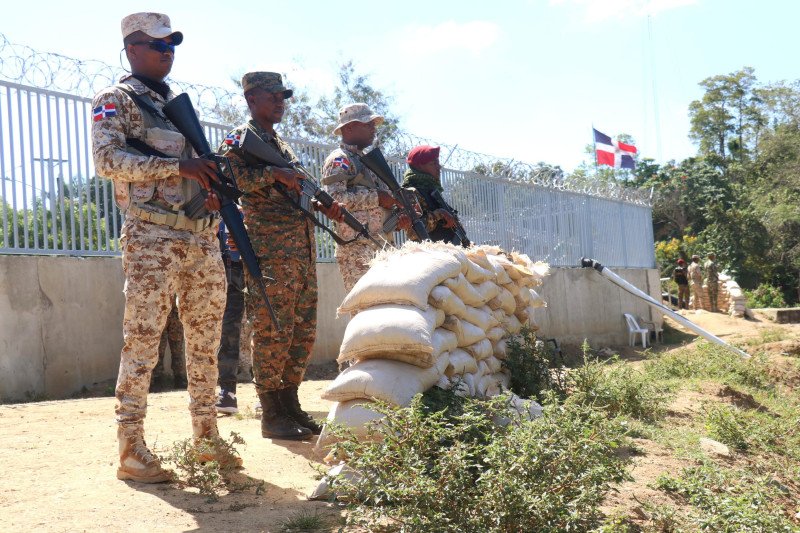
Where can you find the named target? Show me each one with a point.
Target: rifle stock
(375, 161)
(459, 230)
(181, 113)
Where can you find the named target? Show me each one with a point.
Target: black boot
(275, 424)
(291, 406)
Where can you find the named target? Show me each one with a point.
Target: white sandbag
(479, 350)
(493, 321)
(522, 315)
(469, 381)
(478, 256)
(391, 381)
(514, 288)
(505, 301)
(478, 317)
(470, 334)
(477, 274)
(464, 290)
(453, 323)
(440, 317)
(353, 415)
(495, 334)
(526, 408)
(499, 349)
(398, 332)
(342, 473)
(444, 382)
(443, 298)
(536, 300)
(512, 324)
(497, 263)
(504, 379)
(483, 369)
(443, 341)
(540, 270)
(523, 298)
(493, 364)
(499, 315)
(488, 290)
(401, 278)
(460, 362)
(487, 386)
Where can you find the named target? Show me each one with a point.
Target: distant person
(696, 281)
(172, 336)
(424, 175)
(712, 280)
(679, 275)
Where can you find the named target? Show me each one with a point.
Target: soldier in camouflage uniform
(172, 336)
(283, 240)
(696, 281)
(712, 280)
(164, 252)
(358, 189)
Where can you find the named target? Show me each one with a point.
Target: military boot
(136, 461)
(206, 437)
(291, 406)
(275, 423)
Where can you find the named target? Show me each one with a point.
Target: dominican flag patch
(233, 139)
(103, 111)
(342, 162)
(613, 153)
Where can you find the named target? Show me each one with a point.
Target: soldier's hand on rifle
(203, 171)
(212, 202)
(334, 212)
(449, 220)
(289, 178)
(386, 200)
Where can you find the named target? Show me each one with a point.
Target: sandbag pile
(732, 297)
(431, 314)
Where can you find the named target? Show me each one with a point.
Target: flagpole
(594, 151)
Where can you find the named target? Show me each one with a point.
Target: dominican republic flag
(342, 162)
(103, 111)
(232, 139)
(613, 153)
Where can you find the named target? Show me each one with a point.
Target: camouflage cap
(154, 25)
(695, 256)
(356, 113)
(269, 81)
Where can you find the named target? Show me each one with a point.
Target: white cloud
(472, 36)
(600, 10)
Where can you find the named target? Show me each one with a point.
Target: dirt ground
(59, 458)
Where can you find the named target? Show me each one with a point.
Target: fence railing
(52, 202)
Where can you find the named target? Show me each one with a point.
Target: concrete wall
(61, 318)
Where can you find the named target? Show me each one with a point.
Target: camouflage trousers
(713, 290)
(353, 260)
(280, 356)
(229, 352)
(172, 336)
(697, 295)
(157, 268)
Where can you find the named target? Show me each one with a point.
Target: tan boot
(136, 461)
(207, 430)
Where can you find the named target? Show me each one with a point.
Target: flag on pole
(613, 153)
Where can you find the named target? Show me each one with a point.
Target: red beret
(681, 262)
(419, 155)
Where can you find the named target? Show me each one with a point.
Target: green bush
(725, 424)
(533, 368)
(437, 473)
(764, 296)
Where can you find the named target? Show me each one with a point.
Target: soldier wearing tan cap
(355, 186)
(166, 250)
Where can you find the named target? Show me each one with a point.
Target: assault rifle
(375, 161)
(254, 146)
(435, 200)
(181, 113)
(458, 228)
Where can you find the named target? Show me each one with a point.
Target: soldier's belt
(173, 220)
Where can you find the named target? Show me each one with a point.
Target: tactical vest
(167, 195)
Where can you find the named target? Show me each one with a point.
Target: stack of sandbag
(431, 314)
(732, 296)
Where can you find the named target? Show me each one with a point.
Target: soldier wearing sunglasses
(168, 243)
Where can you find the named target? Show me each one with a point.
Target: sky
(523, 79)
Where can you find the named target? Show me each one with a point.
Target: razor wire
(52, 71)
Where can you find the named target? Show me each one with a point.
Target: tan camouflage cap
(269, 81)
(155, 25)
(356, 113)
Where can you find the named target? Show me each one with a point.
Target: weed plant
(209, 477)
(534, 369)
(725, 424)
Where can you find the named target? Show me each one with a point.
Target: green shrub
(764, 296)
(534, 369)
(209, 477)
(725, 424)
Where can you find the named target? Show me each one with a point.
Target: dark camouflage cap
(269, 81)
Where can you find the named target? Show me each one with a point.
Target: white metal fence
(51, 202)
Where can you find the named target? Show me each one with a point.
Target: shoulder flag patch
(341, 162)
(233, 139)
(103, 111)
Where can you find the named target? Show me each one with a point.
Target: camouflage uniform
(696, 281)
(172, 336)
(283, 240)
(349, 182)
(712, 282)
(159, 260)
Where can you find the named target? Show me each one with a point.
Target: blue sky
(520, 78)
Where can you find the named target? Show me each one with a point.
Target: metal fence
(52, 202)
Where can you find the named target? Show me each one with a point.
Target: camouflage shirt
(349, 182)
(276, 228)
(712, 275)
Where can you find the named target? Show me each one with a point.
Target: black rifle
(181, 113)
(255, 147)
(458, 228)
(433, 200)
(375, 161)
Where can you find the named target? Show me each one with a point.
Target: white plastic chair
(653, 327)
(633, 329)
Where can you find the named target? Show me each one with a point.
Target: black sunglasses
(159, 46)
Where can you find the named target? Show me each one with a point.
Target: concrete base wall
(61, 318)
